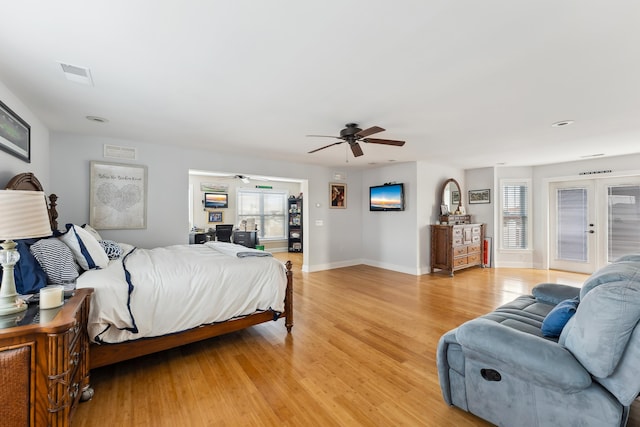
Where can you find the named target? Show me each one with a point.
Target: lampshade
(23, 214)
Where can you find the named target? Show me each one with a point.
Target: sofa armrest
(529, 357)
(553, 293)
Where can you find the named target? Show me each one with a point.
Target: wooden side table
(44, 363)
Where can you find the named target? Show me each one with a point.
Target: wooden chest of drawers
(44, 358)
(454, 247)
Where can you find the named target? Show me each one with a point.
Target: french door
(593, 222)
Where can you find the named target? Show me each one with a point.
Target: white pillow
(86, 250)
(93, 232)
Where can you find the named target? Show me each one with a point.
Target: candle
(51, 296)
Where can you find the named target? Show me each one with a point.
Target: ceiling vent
(118, 152)
(77, 74)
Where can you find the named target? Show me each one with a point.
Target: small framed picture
(444, 210)
(337, 195)
(479, 196)
(215, 216)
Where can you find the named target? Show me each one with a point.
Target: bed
(123, 325)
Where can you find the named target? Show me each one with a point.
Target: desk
(246, 238)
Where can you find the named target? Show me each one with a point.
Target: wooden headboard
(28, 181)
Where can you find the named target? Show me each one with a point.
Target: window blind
(267, 208)
(515, 216)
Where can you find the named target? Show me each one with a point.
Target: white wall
(400, 241)
(337, 240)
(10, 165)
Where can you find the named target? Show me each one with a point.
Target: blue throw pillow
(28, 274)
(558, 317)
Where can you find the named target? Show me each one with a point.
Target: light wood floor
(361, 353)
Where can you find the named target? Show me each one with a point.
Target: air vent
(117, 152)
(77, 74)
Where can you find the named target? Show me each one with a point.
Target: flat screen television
(389, 197)
(216, 200)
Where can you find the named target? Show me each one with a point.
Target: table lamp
(23, 215)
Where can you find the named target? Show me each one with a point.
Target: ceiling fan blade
(356, 150)
(324, 136)
(384, 141)
(370, 131)
(326, 146)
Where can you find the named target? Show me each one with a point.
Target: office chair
(224, 232)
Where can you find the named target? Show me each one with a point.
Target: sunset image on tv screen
(215, 200)
(388, 197)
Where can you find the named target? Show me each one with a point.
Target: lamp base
(11, 305)
(9, 301)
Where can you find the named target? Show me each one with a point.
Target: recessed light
(562, 123)
(97, 119)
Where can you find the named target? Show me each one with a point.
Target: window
(515, 214)
(267, 208)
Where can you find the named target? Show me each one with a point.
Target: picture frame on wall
(15, 134)
(337, 195)
(118, 196)
(215, 216)
(479, 196)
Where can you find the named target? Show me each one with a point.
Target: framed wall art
(337, 195)
(479, 196)
(215, 216)
(15, 134)
(118, 196)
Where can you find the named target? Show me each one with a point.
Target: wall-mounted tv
(216, 200)
(388, 197)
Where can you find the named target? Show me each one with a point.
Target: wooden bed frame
(107, 354)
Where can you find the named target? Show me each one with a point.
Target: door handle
(590, 231)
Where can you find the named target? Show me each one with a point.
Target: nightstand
(44, 363)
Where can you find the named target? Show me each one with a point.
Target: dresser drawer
(457, 262)
(457, 241)
(473, 249)
(473, 259)
(475, 230)
(460, 250)
(457, 232)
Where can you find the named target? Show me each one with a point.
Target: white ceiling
(465, 82)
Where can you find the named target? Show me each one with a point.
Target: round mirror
(451, 196)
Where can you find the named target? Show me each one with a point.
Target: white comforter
(175, 288)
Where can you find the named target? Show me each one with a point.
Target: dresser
(454, 247)
(44, 363)
(245, 238)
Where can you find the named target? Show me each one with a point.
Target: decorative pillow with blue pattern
(112, 249)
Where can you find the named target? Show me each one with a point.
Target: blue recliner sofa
(584, 372)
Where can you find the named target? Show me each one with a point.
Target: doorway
(593, 222)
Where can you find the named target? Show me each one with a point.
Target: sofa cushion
(558, 317)
(553, 293)
(598, 333)
(630, 257)
(617, 272)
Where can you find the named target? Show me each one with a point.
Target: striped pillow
(56, 260)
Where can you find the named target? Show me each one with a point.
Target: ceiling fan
(352, 134)
(246, 179)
